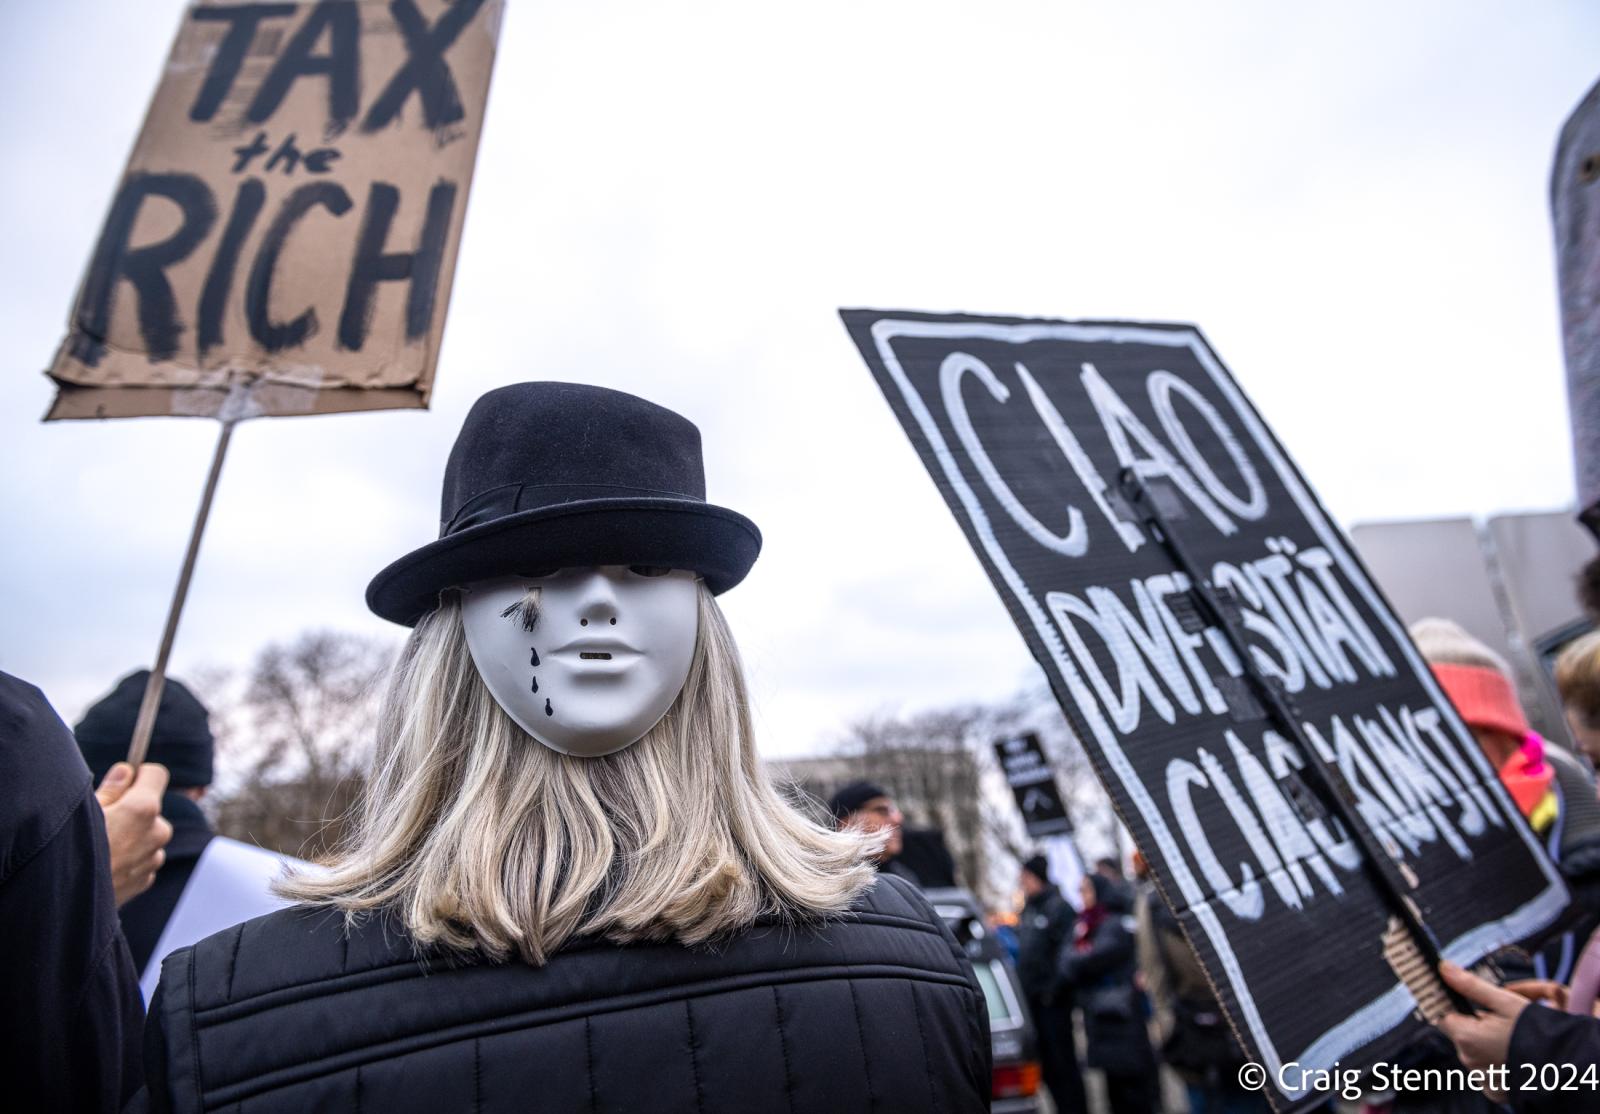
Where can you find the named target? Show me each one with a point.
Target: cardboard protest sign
(1033, 783)
(288, 223)
(1254, 708)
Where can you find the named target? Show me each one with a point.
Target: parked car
(1015, 1084)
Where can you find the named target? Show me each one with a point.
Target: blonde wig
(478, 837)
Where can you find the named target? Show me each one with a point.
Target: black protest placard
(287, 227)
(1235, 703)
(1033, 782)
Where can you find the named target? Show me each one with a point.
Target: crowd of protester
(1110, 981)
(1116, 966)
(1112, 985)
(510, 924)
(510, 921)
(1080, 961)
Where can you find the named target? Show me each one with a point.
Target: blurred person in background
(1578, 681)
(1552, 788)
(181, 741)
(1110, 868)
(1099, 971)
(571, 883)
(208, 882)
(868, 808)
(69, 996)
(1589, 589)
(1191, 1031)
(1044, 933)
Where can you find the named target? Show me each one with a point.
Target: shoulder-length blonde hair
(478, 837)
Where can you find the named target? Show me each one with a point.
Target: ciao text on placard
(1043, 436)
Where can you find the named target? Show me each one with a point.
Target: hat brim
(718, 544)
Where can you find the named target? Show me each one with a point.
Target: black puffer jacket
(1044, 931)
(1100, 968)
(878, 1012)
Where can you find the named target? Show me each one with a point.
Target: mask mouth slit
(588, 655)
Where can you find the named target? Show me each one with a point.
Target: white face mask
(601, 662)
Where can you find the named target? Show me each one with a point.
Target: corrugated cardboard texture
(287, 228)
(1026, 427)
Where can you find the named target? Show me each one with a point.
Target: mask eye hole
(649, 570)
(537, 574)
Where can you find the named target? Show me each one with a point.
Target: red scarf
(1088, 920)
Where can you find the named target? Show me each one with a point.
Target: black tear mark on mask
(536, 684)
(534, 650)
(526, 612)
(549, 711)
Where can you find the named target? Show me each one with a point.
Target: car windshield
(989, 979)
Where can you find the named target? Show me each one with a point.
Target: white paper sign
(231, 883)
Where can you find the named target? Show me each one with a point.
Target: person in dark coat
(1044, 933)
(868, 808)
(571, 885)
(181, 741)
(1100, 969)
(1193, 1034)
(69, 996)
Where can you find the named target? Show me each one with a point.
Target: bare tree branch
(294, 738)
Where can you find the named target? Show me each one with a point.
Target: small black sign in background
(1033, 783)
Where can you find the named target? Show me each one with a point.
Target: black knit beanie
(181, 741)
(850, 798)
(1039, 867)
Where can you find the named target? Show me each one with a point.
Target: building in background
(1510, 580)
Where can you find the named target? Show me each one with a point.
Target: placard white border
(1374, 1018)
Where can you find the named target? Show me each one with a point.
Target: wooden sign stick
(145, 724)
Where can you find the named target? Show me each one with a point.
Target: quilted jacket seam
(413, 967)
(783, 1046)
(922, 1039)
(233, 960)
(194, 1040)
(588, 1053)
(306, 1070)
(861, 1042)
(694, 1057)
(977, 1011)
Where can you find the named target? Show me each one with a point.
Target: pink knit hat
(1474, 677)
(1484, 697)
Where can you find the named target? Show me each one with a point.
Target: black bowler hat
(546, 476)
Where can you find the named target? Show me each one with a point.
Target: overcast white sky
(673, 198)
